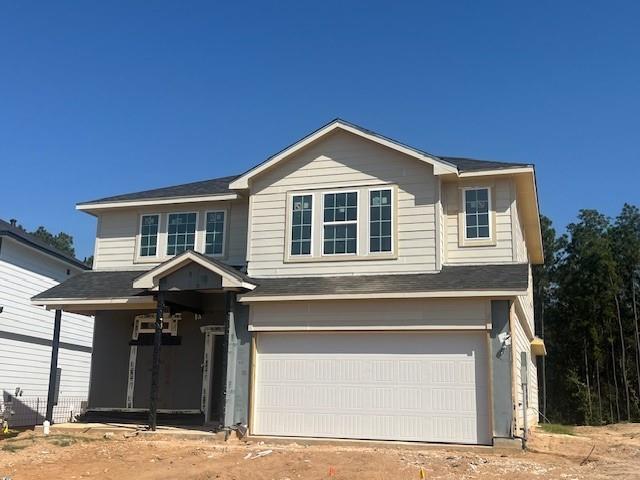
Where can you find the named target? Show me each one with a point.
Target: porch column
(155, 367)
(53, 370)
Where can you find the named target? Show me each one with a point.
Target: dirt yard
(80, 456)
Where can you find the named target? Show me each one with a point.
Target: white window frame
(139, 239)
(204, 233)
(393, 220)
(290, 223)
(478, 240)
(357, 223)
(166, 235)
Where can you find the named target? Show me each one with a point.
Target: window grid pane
(149, 235)
(380, 221)
(214, 233)
(181, 233)
(301, 218)
(340, 223)
(477, 213)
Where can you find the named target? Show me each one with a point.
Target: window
(476, 210)
(340, 223)
(214, 233)
(301, 218)
(149, 235)
(380, 220)
(181, 232)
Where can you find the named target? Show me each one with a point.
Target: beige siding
(388, 314)
(116, 239)
(521, 343)
(519, 244)
(502, 200)
(345, 160)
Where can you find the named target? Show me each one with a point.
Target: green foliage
(558, 428)
(584, 297)
(62, 241)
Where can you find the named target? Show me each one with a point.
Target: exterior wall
(26, 331)
(117, 234)
(503, 204)
(521, 343)
(344, 160)
(382, 314)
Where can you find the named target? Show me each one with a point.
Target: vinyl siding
(117, 232)
(519, 245)
(521, 343)
(344, 160)
(503, 198)
(24, 273)
(388, 314)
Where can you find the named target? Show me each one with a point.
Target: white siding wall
(389, 314)
(503, 199)
(25, 272)
(344, 160)
(117, 232)
(521, 343)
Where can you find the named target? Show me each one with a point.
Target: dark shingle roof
(8, 230)
(468, 164)
(451, 278)
(96, 284)
(214, 186)
(221, 185)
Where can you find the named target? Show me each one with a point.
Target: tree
(62, 241)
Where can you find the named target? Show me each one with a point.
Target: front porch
(174, 350)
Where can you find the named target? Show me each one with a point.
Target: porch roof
(452, 281)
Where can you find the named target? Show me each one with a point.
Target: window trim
(324, 193)
(393, 220)
(166, 233)
(289, 225)
(462, 218)
(204, 233)
(147, 258)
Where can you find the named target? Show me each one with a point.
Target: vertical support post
(53, 370)
(155, 367)
(231, 350)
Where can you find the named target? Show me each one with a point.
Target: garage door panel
(413, 393)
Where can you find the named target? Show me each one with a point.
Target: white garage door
(373, 385)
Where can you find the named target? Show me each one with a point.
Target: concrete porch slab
(132, 430)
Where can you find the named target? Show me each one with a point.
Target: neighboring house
(27, 266)
(349, 286)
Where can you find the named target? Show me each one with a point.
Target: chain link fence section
(30, 411)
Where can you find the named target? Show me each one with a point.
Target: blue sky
(100, 98)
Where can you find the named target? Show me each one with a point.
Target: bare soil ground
(79, 456)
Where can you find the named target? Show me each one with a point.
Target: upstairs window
(476, 213)
(181, 232)
(214, 233)
(149, 235)
(301, 218)
(380, 238)
(340, 223)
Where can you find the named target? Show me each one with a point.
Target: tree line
(587, 298)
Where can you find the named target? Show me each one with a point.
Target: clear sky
(105, 97)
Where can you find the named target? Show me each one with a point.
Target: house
(27, 266)
(349, 286)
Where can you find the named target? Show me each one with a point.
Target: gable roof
(231, 277)
(8, 230)
(440, 166)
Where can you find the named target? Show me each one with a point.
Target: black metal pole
(155, 368)
(53, 370)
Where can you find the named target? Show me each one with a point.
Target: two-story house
(28, 265)
(349, 286)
